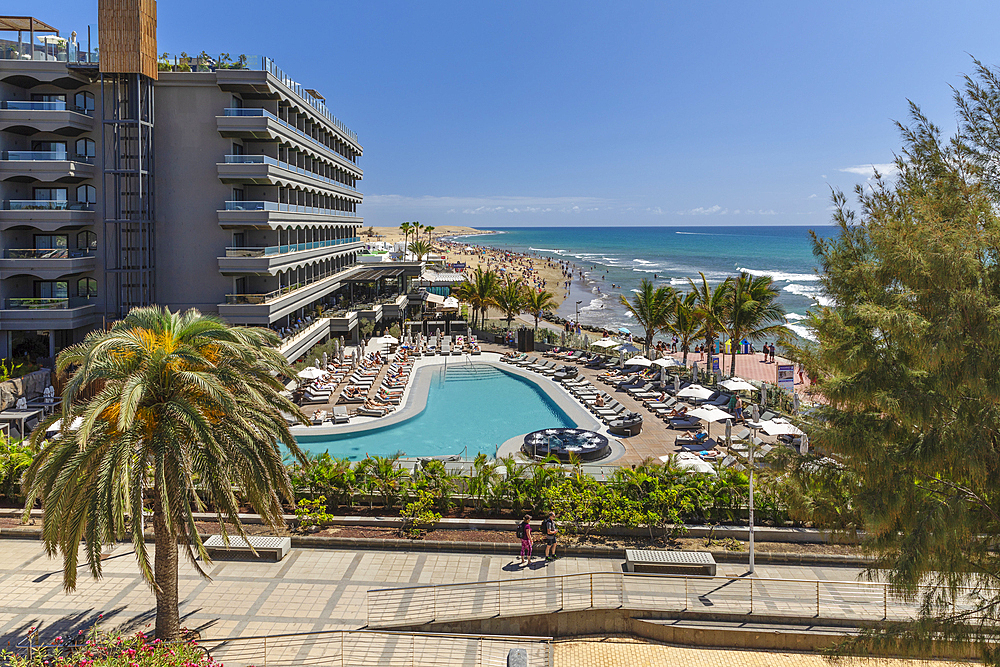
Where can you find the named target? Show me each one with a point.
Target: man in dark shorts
(549, 531)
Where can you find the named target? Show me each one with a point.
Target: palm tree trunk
(168, 623)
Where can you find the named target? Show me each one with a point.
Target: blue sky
(602, 113)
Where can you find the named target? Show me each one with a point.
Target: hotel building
(209, 182)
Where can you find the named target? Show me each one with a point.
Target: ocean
(615, 260)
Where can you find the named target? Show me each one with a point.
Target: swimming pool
(478, 406)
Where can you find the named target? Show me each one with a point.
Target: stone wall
(30, 386)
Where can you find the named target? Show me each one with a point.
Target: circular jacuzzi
(561, 442)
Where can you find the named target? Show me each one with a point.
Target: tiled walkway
(628, 652)
(312, 589)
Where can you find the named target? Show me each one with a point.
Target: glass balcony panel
(286, 208)
(52, 253)
(36, 155)
(47, 205)
(34, 106)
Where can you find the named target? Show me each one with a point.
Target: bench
(275, 548)
(670, 562)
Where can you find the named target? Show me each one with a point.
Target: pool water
(477, 406)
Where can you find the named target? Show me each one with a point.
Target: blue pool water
(476, 406)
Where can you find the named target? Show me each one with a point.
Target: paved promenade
(311, 589)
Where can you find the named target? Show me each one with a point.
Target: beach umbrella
(326, 359)
(763, 395)
(738, 384)
(316, 363)
(695, 391)
(309, 373)
(755, 414)
(694, 371)
(606, 342)
(389, 339)
(627, 348)
(623, 330)
(666, 362)
(804, 444)
(586, 340)
(562, 338)
(639, 361)
(677, 383)
(689, 461)
(729, 432)
(795, 403)
(780, 427)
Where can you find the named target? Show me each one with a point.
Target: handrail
(790, 598)
(244, 205)
(262, 251)
(256, 111)
(274, 162)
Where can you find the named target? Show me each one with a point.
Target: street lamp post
(754, 426)
(578, 311)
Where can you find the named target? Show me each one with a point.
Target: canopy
(695, 391)
(607, 342)
(738, 384)
(310, 373)
(628, 347)
(639, 361)
(430, 297)
(450, 303)
(710, 413)
(780, 427)
(623, 330)
(666, 362)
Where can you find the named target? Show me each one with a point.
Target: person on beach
(739, 410)
(549, 531)
(524, 532)
(772, 352)
(765, 350)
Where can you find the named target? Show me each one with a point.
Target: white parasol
(639, 361)
(738, 384)
(695, 391)
(310, 373)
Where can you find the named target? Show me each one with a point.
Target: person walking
(524, 532)
(550, 531)
(766, 349)
(773, 346)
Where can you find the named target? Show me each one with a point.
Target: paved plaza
(310, 590)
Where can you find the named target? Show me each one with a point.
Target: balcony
(26, 314)
(266, 170)
(27, 118)
(273, 259)
(47, 264)
(262, 309)
(262, 124)
(45, 215)
(48, 166)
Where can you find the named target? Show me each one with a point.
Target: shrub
(108, 650)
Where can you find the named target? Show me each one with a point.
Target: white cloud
(868, 170)
(812, 196)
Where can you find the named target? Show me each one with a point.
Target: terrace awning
(24, 24)
(370, 275)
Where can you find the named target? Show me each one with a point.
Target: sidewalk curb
(503, 548)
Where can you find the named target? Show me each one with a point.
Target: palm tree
(430, 236)
(420, 248)
(684, 322)
(479, 291)
(711, 310)
(537, 302)
(650, 308)
(753, 311)
(184, 410)
(405, 228)
(510, 298)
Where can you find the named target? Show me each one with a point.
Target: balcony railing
(47, 304)
(266, 159)
(22, 105)
(263, 251)
(50, 253)
(65, 53)
(47, 205)
(254, 299)
(285, 208)
(241, 111)
(36, 156)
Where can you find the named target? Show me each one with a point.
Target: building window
(51, 289)
(86, 240)
(238, 194)
(51, 241)
(237, 149)
(86, 194)
(51, 194)
(86, 287)
(237, 102)
(49, 147)
(48, 97)
(86, 148)
(84, 103)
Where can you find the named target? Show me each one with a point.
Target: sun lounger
(371, 412)
(684, 424)
(340, 415)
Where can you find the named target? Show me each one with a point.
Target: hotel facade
(215, 183)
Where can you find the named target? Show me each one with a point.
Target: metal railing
(287, 208)
(256, 299)
(34, 105)
(47, 205)
(793, 598)
(44, 156)
(33, 303)
(361, 648)
(264, 251)
(253, 111)
(51, 253)
(274, 162)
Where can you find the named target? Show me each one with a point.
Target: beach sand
(533, 269)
